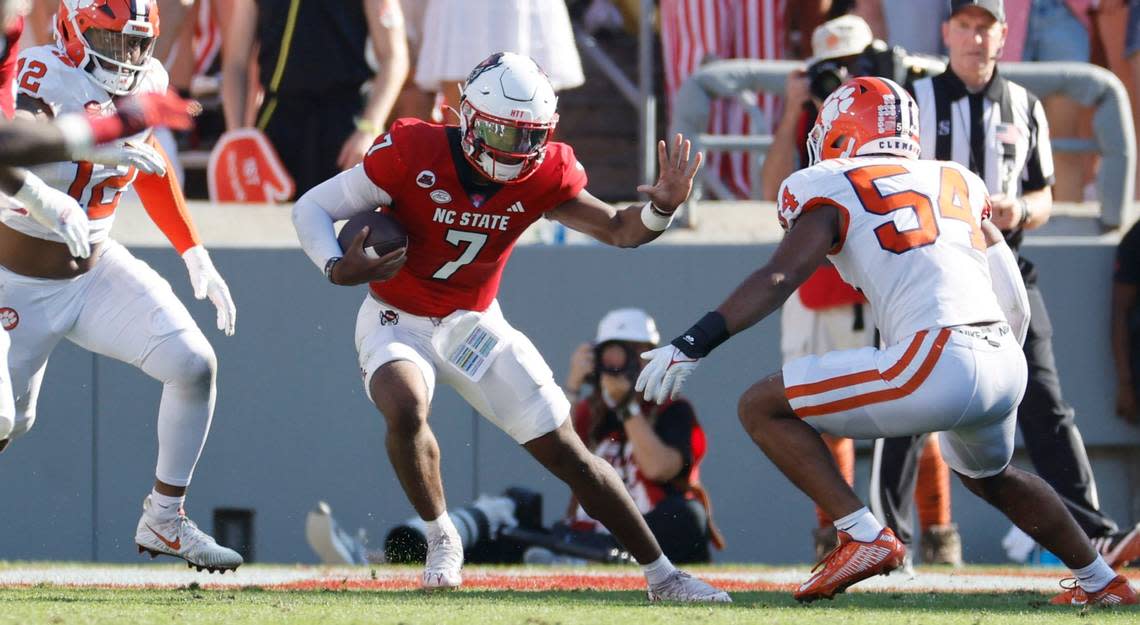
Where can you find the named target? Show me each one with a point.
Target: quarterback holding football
(465, 194)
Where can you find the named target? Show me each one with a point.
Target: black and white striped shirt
(1000, 133)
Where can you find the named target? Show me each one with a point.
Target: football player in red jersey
(465, 194)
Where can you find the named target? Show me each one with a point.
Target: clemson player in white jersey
(944, 291)
(109, 302)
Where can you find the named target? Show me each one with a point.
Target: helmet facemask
(507, 150)
(118, 59)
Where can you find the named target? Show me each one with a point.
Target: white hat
(627, 324)
(842, 36)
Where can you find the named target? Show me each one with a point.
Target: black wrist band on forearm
(329, 264)
(703, 337)
(1025, 214)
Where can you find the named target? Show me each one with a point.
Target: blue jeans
(1055, 34)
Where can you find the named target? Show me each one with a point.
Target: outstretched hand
(676, 178)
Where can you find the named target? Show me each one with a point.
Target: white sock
(440, 526)
(658, 571)
(1095, 576)
(164, 507)
(861, 525)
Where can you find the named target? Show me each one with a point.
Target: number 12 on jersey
(474, 241)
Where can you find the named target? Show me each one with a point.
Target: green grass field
(165, 593)
(58, 606)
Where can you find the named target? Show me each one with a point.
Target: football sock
(440, 526)
(861, 525)
(1095, 576)
(164, 507)
(658, 571)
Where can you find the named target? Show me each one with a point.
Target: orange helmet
(867, 115)
(111, 39)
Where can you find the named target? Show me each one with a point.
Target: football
(385, 234)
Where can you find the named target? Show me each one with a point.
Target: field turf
(364, 596)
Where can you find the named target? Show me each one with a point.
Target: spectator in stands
(910, 24)
(1126, 325)
(457, 34)
(826, 313)
(657, 450)
(694, 32)
(1058, 31)
(312, 67)
(413, 101)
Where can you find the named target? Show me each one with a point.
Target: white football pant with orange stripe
(124, 310)
(965, 381)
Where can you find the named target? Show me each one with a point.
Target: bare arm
(386, 30)
(617, 227)
(636, 224)
(803, 249)
(239, 28)
(783, 157)
(1040, 205)
(658, 461)
(390, 43)
(26, 142)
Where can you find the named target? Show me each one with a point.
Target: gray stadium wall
(293, 426)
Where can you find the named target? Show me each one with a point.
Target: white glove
(667, 370)
(208, 282)
(141, 156)
(56, 210)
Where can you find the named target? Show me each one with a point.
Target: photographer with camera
(656, 449)
(826, 313)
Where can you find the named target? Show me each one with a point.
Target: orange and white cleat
(852, 562)
(1117, 592)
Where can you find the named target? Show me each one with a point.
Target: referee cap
(995, 8)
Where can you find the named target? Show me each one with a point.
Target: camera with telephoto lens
(877, 59)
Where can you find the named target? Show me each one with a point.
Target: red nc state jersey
(458, 243)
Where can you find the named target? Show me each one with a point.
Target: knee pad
(185, 359)
(7, 423)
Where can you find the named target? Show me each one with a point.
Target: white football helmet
(633, 325)
(506, 115)
(111, 39)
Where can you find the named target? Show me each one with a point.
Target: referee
(971, 115)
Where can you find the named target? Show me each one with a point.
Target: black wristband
(329, 264)
(1025, 214)
(703, 337)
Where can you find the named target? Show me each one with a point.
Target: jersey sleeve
(802, 193)
(383, 163)
(40, 76)
(1038, 172)
(573, 178)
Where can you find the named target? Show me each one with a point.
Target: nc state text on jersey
(471, 220)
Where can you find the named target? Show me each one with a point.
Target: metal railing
(1089, 85)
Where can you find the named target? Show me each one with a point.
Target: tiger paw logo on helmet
(867, 116)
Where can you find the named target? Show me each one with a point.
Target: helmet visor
(128, 50)
(512, 140)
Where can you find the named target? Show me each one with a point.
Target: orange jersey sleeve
(163, 200)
